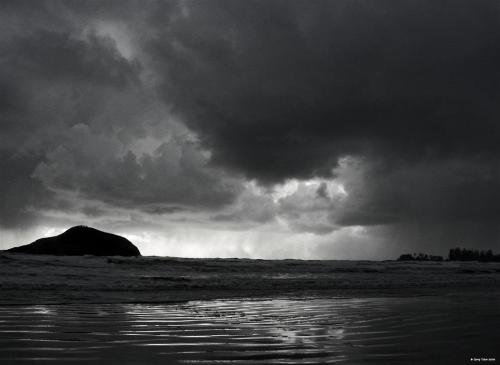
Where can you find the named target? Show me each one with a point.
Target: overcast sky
(268, 129)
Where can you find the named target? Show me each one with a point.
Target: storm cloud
(283, 89)
(310, 118)
(80, 116)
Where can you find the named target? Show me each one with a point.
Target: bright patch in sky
(119, 34)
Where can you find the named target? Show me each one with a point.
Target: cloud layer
(310, 118)
(283, 89)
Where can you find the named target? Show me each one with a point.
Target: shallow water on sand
(410, 330)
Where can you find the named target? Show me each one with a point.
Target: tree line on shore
(455, 254)
(463, 254)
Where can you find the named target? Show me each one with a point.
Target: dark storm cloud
(282, 89)
(432, 191)
(174, 174)
(49, 78)
(20, 194)
(72, 109)
(272, 90)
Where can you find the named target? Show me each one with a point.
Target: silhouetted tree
(463, 254)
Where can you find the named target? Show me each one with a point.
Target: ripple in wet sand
(273, 331)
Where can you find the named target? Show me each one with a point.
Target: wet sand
(415, 330)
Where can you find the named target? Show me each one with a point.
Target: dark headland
(81, 240)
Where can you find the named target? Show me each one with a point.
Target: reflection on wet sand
(273, 331)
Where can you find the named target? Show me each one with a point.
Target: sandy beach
(319, 330)
(153, 310)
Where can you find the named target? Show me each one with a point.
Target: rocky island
(80, 240)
